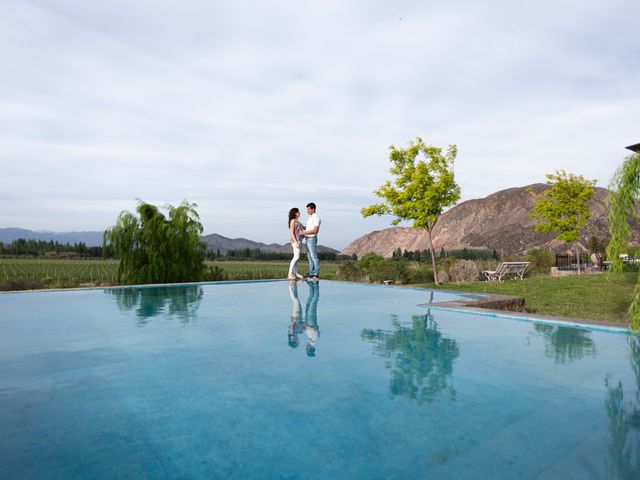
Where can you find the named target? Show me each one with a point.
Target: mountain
(500, 220)
(91, 239)
(218, 242)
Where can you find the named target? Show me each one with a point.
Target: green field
(34, 273)
(264, 270)
(20, 273)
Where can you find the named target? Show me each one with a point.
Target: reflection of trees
(420, 358)
(180, 302)
(565, 344)
(624, 422)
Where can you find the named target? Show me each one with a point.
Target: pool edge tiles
(529, 318)
(232, 282)
(146, 285)
(453, 307)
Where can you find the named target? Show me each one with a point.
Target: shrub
(349, 272)
(377, 269)
(464, 271)
(370, 262)
(394, 270)
(444, 264)
(419, 273)
(542, 260)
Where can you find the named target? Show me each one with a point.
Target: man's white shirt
(314, 221)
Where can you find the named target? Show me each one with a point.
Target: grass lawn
(597, 297)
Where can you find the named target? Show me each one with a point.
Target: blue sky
(249, 108)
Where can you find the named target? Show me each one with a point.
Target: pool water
(326, 380)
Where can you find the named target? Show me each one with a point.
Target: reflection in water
(565, 344)
(421, 359)
(310, 323)
(624, 422)
(179, 302)
(296, 327)
(311, 318)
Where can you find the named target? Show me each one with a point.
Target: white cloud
(253, 107)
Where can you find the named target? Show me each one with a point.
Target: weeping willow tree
(625, 191)
(154, 248)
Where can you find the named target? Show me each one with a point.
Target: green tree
(563, 207)
(625, 190)
(421, 358)
(420, 189)
(154, 248)
(566, 344)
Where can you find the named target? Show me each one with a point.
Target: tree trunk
(578, 257)
(433, 256)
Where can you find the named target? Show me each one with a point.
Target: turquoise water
(328, 380)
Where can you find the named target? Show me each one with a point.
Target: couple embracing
(309, 235)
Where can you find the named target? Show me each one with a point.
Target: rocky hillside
(499, 221)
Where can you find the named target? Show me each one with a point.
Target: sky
(249, 108)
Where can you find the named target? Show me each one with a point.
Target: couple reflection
(307, 325)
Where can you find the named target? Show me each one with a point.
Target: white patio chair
(513, 270)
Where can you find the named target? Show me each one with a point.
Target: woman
(295, 232)
(295, 326)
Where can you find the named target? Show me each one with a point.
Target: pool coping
(146, 285)
(483, 304)
(474, 306)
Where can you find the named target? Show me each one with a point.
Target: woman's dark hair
(292, 215)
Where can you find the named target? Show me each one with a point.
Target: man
(311, 235)
(311, 318)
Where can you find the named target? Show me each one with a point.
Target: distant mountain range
(93, 239)
(218, 242)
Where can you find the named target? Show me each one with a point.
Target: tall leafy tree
(421, 358)
(154, 248)
(563, 208)
(423, 185)
(625, 191)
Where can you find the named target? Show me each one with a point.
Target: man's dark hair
(311, 205)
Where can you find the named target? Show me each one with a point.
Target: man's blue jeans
(312, 253)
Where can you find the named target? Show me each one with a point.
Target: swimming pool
(328, 380)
